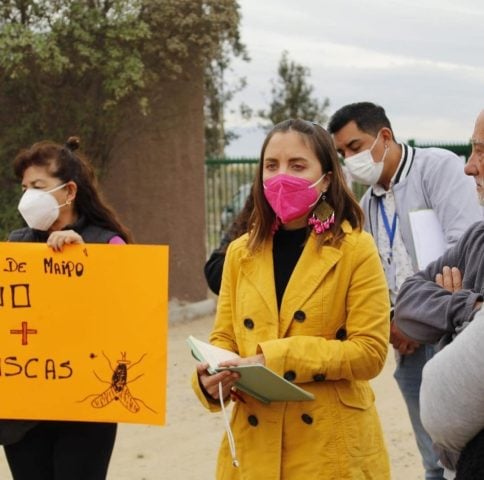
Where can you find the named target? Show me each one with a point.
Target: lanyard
(390, 231)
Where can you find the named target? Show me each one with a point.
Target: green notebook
(255, 380)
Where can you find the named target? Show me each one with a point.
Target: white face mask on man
(40, 209)
(363, 168)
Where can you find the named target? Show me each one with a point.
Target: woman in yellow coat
(303, 293)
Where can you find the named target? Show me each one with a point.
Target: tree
(292, 96)
(71, 66)
(218, 93)
(64, 66)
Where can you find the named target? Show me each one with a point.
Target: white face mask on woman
(39, 208)
(363, 168)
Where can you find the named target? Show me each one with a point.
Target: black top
(214, 266)
(286, 250)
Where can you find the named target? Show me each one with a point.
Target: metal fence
(228, 180)
(461, 149)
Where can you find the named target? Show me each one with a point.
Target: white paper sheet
(428, 236)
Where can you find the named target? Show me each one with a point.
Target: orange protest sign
(83, 332)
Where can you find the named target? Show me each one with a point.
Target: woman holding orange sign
(61, 205)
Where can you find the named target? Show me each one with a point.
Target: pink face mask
(291, 197)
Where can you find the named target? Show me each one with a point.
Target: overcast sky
(422, 60)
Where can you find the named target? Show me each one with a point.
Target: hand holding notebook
(255, 379)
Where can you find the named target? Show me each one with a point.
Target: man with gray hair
(435, 305)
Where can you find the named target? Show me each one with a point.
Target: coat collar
(403, 169)
(305, 279)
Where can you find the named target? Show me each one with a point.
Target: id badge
(391, 274)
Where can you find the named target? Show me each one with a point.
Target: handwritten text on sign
(83, 332)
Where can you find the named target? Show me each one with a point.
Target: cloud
(422, 61)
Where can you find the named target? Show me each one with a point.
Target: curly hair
(64, 163)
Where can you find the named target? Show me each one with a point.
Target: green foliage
(64, 67)
(67, 67)
(292, 96)
(218, 92)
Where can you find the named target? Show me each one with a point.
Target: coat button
(307, 418)
(253, 420)
(319, 377)
(249, 323)
(290, 375)
(299, 315)
(341, 334)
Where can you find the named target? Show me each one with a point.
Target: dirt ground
(186, 447)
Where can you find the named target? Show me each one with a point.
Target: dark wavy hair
(338, 195)
(64, 163)
(369, 118)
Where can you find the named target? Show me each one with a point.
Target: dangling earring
(275, 225)
(322, 217)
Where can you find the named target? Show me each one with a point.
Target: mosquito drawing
(118, 387)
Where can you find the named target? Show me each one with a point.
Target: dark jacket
(89, 233)
(214, 266)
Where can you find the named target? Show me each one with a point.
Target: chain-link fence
(227, 185)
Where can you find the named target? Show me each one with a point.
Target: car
(232, 209)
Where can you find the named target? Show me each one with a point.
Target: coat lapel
(313, 265)
(310, 271)
(259, 271)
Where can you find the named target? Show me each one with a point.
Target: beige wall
(155, 180)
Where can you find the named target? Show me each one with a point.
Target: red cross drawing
(25, 331)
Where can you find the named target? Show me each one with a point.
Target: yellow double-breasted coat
(329, 337)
